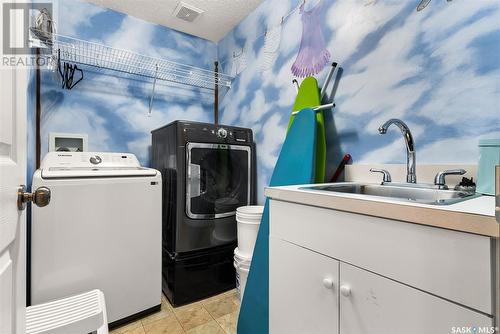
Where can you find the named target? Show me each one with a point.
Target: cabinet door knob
(328, 283)
(345, 290)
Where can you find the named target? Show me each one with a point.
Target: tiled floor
(215, 315)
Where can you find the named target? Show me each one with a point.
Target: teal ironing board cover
(295, 165)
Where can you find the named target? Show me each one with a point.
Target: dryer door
(218, 179)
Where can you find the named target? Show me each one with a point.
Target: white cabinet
(381, 276)
(303, 290)
(376, 304)
(450, 264)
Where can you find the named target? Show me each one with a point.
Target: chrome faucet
(411, 175)
(440, 181)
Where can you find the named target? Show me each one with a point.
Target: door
(217, 180)
(13, 86)
(373, 304)
(303, 290)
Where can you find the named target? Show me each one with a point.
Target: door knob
(41, 197)
(345, 290)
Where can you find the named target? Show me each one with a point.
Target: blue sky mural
(437, 69)
(113, 110)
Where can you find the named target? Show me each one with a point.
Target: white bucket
(242, 266)
(248, 218)
(241, 259)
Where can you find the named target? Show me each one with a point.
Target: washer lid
(79, 172)
(92, 164)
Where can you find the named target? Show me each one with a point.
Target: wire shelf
(105, 57)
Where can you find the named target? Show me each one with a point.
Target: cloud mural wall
(111, 109)
(437, 69)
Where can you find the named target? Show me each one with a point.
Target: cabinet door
(303, 290)
(373, 304)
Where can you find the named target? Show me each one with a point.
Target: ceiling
(219, 16)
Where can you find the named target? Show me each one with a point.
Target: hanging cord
(216, 93)
(42, 21)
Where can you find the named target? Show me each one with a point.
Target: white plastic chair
(80, 314)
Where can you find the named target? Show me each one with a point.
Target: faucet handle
(440, 181)
(385, 173)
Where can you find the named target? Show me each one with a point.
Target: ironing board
(295, 165)
(308, 96)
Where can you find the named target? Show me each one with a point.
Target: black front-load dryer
(208, 171)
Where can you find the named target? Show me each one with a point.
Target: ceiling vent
(187, 12)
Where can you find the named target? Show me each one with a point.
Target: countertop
(476, 215)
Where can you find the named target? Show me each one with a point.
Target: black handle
(81, 76)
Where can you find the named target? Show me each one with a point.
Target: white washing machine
(101, 230)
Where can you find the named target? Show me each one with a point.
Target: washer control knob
(95, 160)
(222, 133)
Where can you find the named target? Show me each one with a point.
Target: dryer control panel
(196, 132)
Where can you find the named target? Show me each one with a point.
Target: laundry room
(250, 167)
